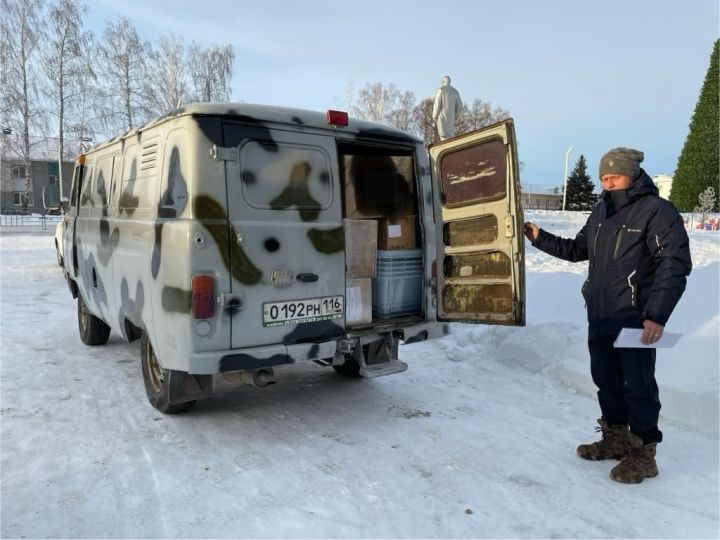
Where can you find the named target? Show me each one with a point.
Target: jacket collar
(642, 186)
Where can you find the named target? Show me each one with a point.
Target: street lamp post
(567, 156)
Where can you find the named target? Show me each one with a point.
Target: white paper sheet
(629, 338)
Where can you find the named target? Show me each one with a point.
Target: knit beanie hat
(621, 161)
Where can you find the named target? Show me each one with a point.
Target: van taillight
(337, 118)
(203, 297)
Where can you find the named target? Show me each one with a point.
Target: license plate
(302, 311)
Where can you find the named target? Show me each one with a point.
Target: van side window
(174, 183)
(102, 182)
(86, 195)
(139, 176)
(74, 186)
(116, 180)
(285, 176)
(130, 171)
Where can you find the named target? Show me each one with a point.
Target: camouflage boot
(638, 464)
(613, 444)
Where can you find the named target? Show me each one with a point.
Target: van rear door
(285, 213)
(481, 257)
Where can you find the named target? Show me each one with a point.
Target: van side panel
(188, 242)
(92, 278)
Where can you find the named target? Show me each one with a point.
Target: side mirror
(64, 204)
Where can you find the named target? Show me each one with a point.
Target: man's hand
(531, 231)
(652, 332)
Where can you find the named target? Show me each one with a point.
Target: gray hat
(621, 161)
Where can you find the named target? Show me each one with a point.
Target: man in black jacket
(639, 259)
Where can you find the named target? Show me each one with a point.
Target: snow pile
(477, 439)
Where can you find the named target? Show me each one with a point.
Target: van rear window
(285, 176)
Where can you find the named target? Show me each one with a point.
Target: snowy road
(477, 439)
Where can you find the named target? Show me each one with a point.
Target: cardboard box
(396, 233)
(377, 186)
(360, 247)
(358, 301)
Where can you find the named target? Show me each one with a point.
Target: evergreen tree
(580, 188)
(697, 167)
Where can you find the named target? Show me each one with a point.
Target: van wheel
(93, 331)
(350, 368)
(57, 254)
(158, 380)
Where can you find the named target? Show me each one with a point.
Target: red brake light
(337, 118)
(203, 297)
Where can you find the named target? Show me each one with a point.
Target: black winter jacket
(639, 257)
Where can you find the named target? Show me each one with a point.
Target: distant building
(45, 173)
(538, 198)
(664, 184)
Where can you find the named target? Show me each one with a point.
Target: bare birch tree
(423, 123)
(86, 121)
(22, 31)
(385, 105)
(168, 84)
(63, 62)
(401, 115)
(124, 69)
(211, 70)
(375, 102)
(479, 115)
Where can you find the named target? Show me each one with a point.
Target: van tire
(349, 368)
(93, 331)
(159, 380)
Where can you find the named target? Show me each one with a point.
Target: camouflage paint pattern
(160, 209)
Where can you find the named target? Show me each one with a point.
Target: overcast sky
(588, 74)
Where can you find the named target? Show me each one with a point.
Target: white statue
(446, 108)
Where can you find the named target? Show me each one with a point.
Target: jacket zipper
(597, 231)
(620, 232)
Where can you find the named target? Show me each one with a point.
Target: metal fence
(33, 221)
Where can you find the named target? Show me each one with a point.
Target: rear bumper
(208, 363)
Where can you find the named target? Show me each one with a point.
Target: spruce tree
(580, 188)
(697, 167)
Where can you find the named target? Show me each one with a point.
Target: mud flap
(183, 387)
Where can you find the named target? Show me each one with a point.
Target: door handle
(307, 277)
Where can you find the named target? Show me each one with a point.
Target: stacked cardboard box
(360, 256)
(396, 233)
(360, 247)
(377, 186)
(358, 301)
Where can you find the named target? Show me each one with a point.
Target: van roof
(275, 115)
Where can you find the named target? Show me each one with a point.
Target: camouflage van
(219, 235)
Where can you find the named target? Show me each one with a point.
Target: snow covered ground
(477, 439)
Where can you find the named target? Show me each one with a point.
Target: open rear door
(481, 250)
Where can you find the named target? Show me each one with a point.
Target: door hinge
(220, 153)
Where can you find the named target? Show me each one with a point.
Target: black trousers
(627, 390)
